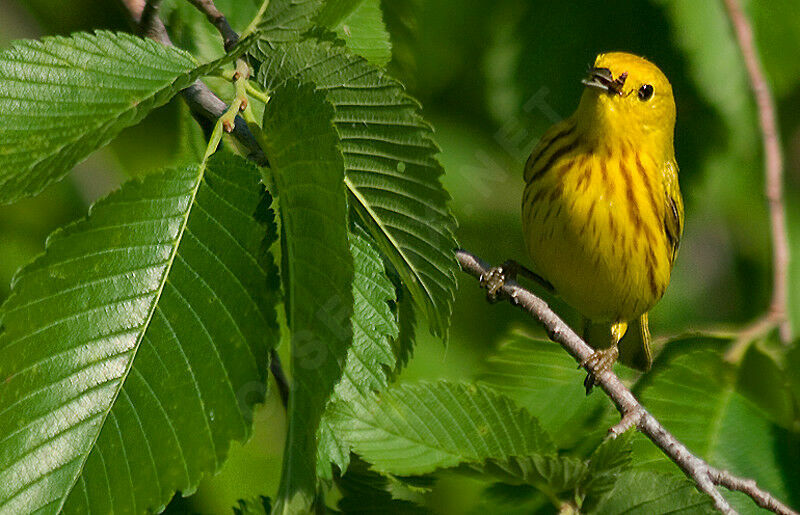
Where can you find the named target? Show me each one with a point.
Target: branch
(773, 167)
(201, 100)
(633, 413)
(218, 20)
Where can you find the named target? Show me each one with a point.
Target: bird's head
(627, 95)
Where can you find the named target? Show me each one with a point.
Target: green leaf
(286, 20)
(260, 506)
(366, 491)
(766, 385)
(370, 356)
(648, 492)
(133, 350)
(694, 396)
(793, 364)
(309, 175)
(189, 28)
(63, 98)
(539, 375)
(605, 465)
(359, 23)
(392, 175)
(416, 429)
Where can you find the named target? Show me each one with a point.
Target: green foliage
(392, 175)
(416, 429)
(359, 23)
(696, 395)
(260, 506)
(635, 493)
(365, 491)
(308, 171)
(131, 348)
(539, 375)
(370, 356)
(54, 114)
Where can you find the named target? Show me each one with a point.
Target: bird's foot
(600, 361)
(496, 278)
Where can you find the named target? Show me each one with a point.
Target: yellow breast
(593, 220)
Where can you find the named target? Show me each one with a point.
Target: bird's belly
(600, 258)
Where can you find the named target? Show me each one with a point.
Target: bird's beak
(602, 79)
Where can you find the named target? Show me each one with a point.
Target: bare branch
(201, 100)
(218, 20)
(773, 167)
(149, 16)
(706, 477)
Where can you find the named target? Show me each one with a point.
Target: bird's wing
(673, 214)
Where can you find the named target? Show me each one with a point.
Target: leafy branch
(200, 99)
(633, 413)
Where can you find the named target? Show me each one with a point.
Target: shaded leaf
(694, 396)
(766, 385)
(543, 378)
(648, 492)
(605, 465)
(134, 349)
(308, 172)
(260, 506)
(366, 491)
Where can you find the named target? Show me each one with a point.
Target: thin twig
(773, 167)
(633, 413)
(218, 20)
(201, 100)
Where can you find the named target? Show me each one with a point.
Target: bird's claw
(493, 281)
(600, 361)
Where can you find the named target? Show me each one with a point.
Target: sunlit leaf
(65, 97)
(416, 429)
(132, 351)
(392, 174)
(359, 23)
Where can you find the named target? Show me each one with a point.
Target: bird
(602, 211)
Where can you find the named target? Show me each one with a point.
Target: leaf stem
(256, 19)
(257, 92)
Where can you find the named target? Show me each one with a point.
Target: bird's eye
(645, 92)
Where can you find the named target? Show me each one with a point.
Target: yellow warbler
(602, 212)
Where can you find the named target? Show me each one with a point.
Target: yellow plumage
(602, 212)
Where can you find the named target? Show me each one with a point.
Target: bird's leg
(496, 277)
(603, 359)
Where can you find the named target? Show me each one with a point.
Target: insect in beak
(602, 79)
